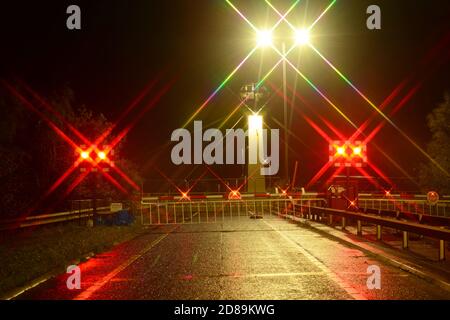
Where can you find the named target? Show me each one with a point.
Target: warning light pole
(348, 154)
(94, 159)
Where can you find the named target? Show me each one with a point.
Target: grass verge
(30, 254)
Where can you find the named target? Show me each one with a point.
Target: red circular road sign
(432, 197)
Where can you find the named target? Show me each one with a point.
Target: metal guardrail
(411, 216)
(38, 220)
(440, 233)
(417, 206)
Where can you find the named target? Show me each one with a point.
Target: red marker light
(234, 195)
(357, 151)
(185, 196)
(102, 155)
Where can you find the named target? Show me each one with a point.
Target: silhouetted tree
(431, 177)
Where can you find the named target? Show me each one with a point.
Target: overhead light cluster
(264, 38)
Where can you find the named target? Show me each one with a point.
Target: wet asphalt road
(242, 258)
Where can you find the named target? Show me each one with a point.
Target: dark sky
(123, 45)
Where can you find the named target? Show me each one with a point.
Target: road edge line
(86, 294)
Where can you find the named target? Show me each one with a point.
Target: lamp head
(302, 37)
(264, 38)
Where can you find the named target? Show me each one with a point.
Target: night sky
(123, 45)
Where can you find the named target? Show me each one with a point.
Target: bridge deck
(235, 259)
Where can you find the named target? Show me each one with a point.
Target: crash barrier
(411, 216)
(416, 205)
(316, 213)
(80, 209)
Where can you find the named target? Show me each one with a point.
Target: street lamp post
(265, 39)
(301, 38)
(286, 134)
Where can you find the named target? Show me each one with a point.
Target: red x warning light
(234, 195)
(95, 158)
(348, 154)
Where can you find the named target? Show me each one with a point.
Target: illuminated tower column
(256, 181)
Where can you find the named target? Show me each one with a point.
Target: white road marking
(86, 294)
(355, 294)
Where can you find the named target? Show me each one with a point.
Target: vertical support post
(246, 208)
(167, 213)
(140, 207)
(285, 116)
(405, 242)
(239, 210)
(159, 213)
(175, 212)
(198, 208)
(309, 210)
(359, 228)
(379, 229)
(347, 191)
(344, 223)
(149, 211)
(441, 250)
(182, 212)
(94, 194)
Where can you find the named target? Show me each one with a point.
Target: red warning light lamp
(234, 195)
(357, 151)
(348, 154)
(102, 161)
(340, 151)
(102, 155)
